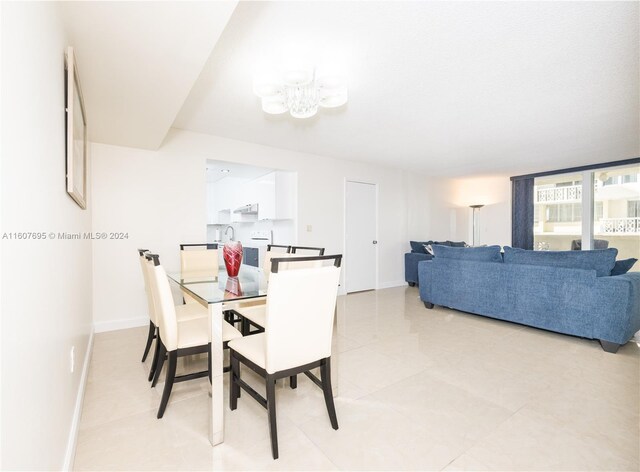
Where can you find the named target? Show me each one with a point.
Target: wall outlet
(309, 228)
(72, 359)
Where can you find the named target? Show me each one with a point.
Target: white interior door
(360, 238)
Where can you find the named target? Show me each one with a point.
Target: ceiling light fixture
(225, 171)
(300, 92)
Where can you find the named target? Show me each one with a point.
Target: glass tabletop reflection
(250, 283)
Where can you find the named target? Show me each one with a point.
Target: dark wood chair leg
(156, 355)
(293, 381)
(325, 376)
(271, 411)
(150, 336)
(234, 376)
(209, 362)
(168, 383)
(245, 327)
(161, 356)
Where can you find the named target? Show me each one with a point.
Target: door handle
(375, 242)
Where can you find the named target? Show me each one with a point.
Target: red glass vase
(232, 255)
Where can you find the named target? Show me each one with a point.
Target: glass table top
(250, 283)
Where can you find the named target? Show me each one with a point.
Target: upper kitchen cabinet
(276, 195)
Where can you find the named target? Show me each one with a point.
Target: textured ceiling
(448, 88)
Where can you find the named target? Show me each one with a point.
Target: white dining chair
(254, 315)
(178, 338)
(295, 297)
(198, 260)
(183, 313)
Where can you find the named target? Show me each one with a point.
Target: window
(633, 209)
(564, 213)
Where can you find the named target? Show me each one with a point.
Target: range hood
(247, 209)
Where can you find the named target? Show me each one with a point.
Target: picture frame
(76, 133)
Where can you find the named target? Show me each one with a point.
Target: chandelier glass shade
(300, 93)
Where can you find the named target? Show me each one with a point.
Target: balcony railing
(620, 225)
(571, 193)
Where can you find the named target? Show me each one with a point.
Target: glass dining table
(214, 293)
(217, 294)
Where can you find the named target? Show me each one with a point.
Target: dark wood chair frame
(269, 403)
(153, 329)
(319, 249)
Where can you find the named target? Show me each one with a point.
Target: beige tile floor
(419, 390)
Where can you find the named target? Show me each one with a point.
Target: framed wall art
(76, 128)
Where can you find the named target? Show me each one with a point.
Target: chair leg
(271, 411)
(161, 355)
(156, 355)
(209, 361)
(293, 381)
(168, 383)
(152, 333)
(245, 327)
(325, 376)
(234, 386)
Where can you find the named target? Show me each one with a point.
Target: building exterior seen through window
(558, 212)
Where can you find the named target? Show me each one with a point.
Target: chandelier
(300, 93)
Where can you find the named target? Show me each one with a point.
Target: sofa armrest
(425, 276)
(622, 293)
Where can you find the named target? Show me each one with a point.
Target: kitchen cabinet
(276, 196)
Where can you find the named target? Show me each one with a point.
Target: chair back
(300, 310)
(163, 301)
(147, 287)
(273, 250)
(199, 260)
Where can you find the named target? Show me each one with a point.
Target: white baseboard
(395, 283)
(77, 412)
(115, 325)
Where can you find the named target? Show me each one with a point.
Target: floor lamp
(476, 227)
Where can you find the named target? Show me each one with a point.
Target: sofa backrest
(600, 260)
(419, 246)
(477, 254)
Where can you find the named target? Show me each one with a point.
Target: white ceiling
(449, 88)
(137, 62)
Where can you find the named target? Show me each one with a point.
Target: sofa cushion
(457, 244)
(421, 247)
(477, 254)
(623, 266)
(600, 260)
(418, 246)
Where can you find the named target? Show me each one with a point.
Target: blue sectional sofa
(570, 292)
(418, 254)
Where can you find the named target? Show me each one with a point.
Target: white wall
(46, 285)
(159, 199)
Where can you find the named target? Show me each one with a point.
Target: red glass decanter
(232, 255)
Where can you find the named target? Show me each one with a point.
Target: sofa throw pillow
(600, 260)
(418, 246)
(457, 244)
(623, 266)
(428, 248)
(477, 254)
